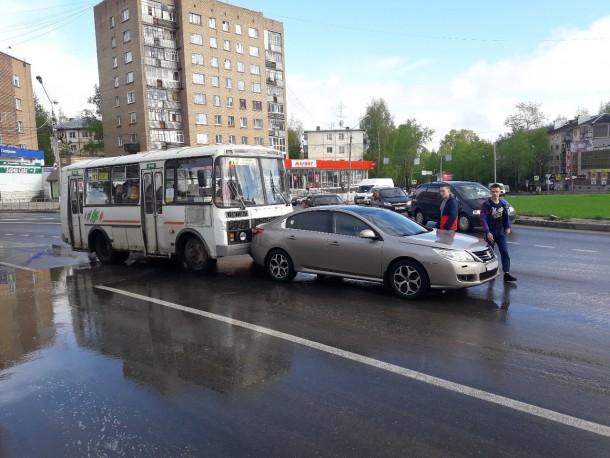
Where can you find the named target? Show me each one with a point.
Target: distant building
(580, 152)
(17, 113)
(73, 136)
(176, 73)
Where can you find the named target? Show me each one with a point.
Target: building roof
(77, 123)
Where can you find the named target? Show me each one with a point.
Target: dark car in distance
(426, 203)
(318, 200)
(391, 198)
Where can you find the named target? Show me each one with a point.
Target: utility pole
(54, 144)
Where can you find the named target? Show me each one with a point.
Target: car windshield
(473, 191)
(392, 223)
(392, 192)
(365, 188)
(327, 200)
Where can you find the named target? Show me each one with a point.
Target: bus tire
(196, 257)
(104, 251)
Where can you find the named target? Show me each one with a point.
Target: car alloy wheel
(408, 279)
(279, 266)
(419, 218)
(464, 223)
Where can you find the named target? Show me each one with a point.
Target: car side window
(432, 193)
(348, 225)
(318, 221)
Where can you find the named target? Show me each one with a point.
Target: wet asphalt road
(146, 360)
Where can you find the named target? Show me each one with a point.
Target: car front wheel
(279, 266)
(464, 224)
(420, 218)
(408, 279)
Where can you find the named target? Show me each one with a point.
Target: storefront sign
(303, 164)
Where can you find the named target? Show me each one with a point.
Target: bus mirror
(201, 179)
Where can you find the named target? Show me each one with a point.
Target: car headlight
(387, 204)
(511, 209)
(454, 255)
(476, 212)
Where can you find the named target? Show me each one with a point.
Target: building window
(115, 62)
(329, 136)
(256, 87)
(258, 123)
(111, 21)
(72, 135)
(242, 104)
(212, 23)
(199, 98)
(198, 78)
(226, 45)
(225, 26)
(117, 101)
(20, 127)
(219, 138)
(252, 32)
(131, 97)
(132, 117)
(133, 138)
(241, 85)
(240, 67)
(231, 121)
(238, 29)
(341, 149)
(257, 105)
(16, 81)
(213, 42)
(201, 118)
(129, 77)
(119, 141)
(73, 148)
(116, 81)
(227, 64)
(113, 42)
(255, 69)
(214, 62)
(229, 83)
(128, 57)
(85, 134)
(232, 140)
(341, 136)
(202, 139)
(18, 103)
(239, 47)
(216, 81)
(195, 18)
(230, 102)
(243, 122)
(254, 51)
(118, 121)
(216, 100)
(329, 149)
(125, 15)
(196, 38)
(197, 59)
(126, 36)
(244, 140)
(217, 120)
(259, 141)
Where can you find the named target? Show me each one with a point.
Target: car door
(350, 254)
(305, 238)
(432, 200)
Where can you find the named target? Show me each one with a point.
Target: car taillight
(257, 230)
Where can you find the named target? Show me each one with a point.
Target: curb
(581, 225)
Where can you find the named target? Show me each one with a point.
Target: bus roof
(161, 155)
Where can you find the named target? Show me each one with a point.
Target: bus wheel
(104, 251)
(196, 256)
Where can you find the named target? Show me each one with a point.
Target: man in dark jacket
(496, 225)
(449, 210)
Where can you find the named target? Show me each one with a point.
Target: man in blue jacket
(449, 209)
(496, 225)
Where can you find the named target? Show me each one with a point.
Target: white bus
(196, 204)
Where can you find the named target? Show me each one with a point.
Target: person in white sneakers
(496, 225)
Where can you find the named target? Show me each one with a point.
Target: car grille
(485, 255)
(488, 274)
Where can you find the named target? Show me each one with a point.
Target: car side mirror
(367, 234)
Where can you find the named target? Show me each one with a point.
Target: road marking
(514, 243)
(547, 414)
(585, 251)
(544, 246)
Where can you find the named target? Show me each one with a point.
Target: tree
(528, 116)
(378, 123)
(403, 146)
(471, 157)
(92, 121)
(295, 133)
(604, 108)
(44, 131)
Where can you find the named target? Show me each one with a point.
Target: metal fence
(34, 205)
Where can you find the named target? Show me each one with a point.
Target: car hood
(447, 239)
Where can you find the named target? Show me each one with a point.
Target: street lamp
(54, 145)
(349, 157)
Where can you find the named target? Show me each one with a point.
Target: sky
(447, 64)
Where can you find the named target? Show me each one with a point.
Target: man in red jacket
(449, 209)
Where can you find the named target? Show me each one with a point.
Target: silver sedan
(371, 244)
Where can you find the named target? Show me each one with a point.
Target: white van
(363, 194)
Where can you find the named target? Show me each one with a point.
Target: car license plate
(400, 208)
(492, 265)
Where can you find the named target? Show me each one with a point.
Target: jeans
(500, 240)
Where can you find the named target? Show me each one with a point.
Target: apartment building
(176, 73)
(73, 137)
(17, 113)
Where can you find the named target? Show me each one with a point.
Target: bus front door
(75, 211)
(152, 207)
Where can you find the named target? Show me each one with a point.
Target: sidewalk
(602, 225)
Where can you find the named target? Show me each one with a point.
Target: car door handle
(335, 243)
(291, 237)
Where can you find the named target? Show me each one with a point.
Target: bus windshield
(247, 182)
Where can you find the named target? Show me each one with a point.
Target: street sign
(426, 172)
(548, 175)
(536, 177)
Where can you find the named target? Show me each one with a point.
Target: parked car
(426, 202)
(391, 198)
(298, 196)
(363, 193)
(317, 200)
(372, 244)
(503, 188)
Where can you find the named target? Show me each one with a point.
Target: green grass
(563, 206)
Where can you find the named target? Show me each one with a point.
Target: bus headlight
(243, 237)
